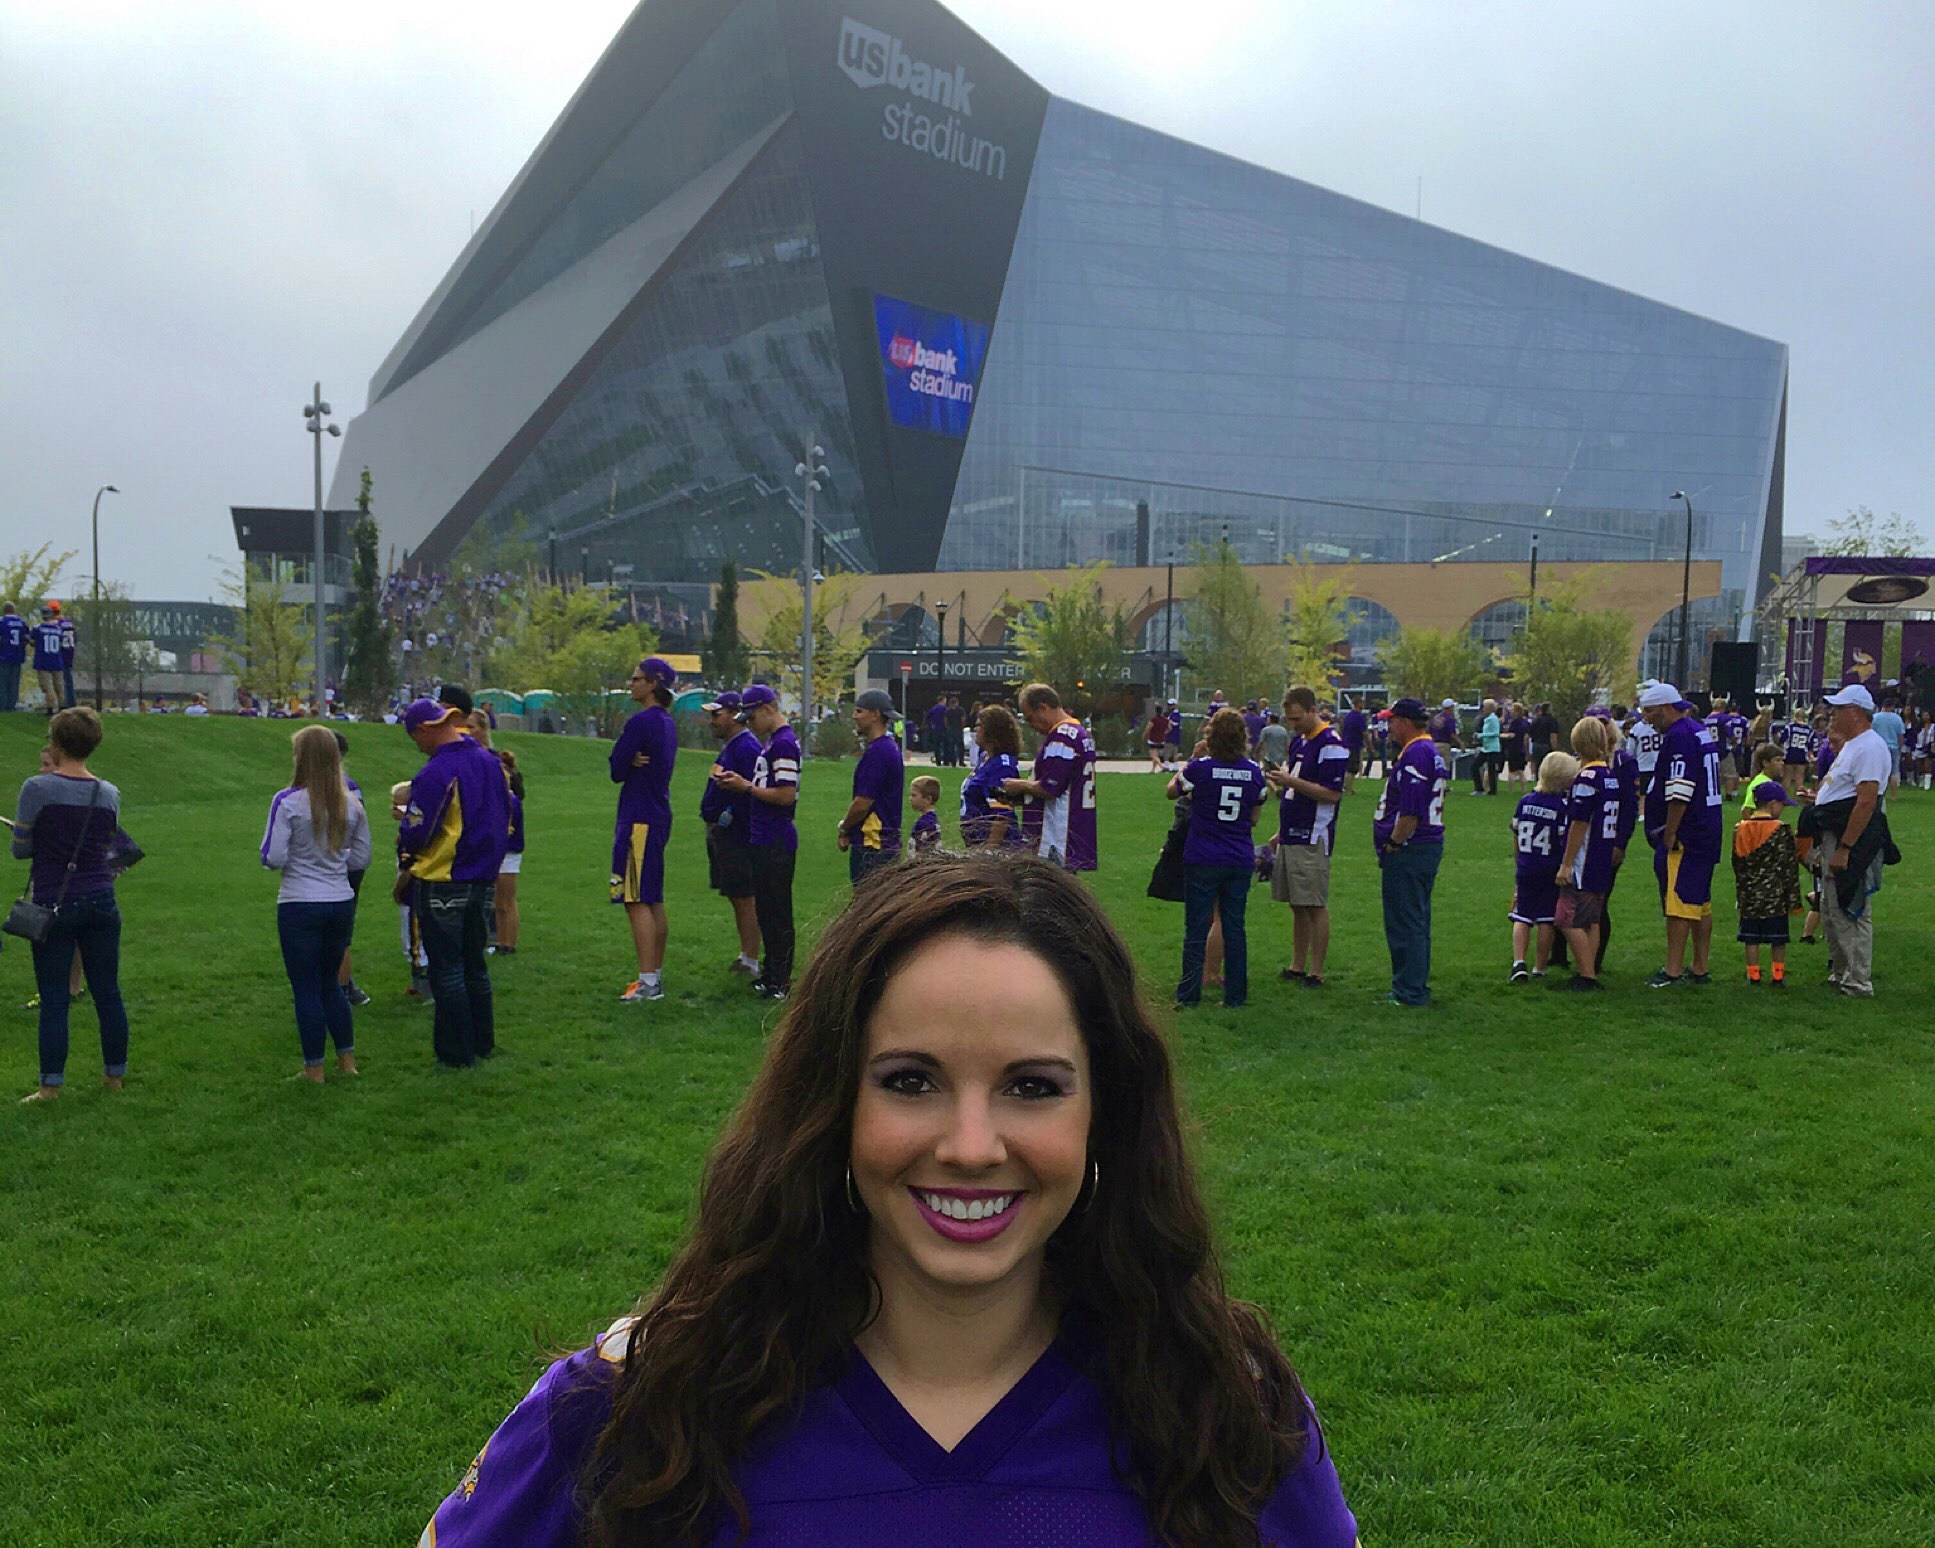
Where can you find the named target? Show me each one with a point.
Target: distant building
(1027, 334)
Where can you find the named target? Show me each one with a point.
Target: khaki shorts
(1301, 877)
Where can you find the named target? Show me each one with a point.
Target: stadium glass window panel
(1498, 627)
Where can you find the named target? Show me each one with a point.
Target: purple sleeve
(1308, 1509)
(428, 792)
(1414, 788)
(521, 1489)
(630, 740)
(871, 773)
(1057, 766)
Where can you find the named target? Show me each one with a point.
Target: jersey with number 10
(1065, 769)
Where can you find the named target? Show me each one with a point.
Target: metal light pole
(940, 650)
(1169, 635)
(104, 489)
(811, 471)
(1532, 591)
(317, 412)
(1686, 592)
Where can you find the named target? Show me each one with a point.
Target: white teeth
(964, 1209)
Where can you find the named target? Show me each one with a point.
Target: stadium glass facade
(773, 219)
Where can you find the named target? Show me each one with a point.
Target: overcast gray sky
(208, 204)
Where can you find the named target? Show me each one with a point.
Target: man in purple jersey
(1729, 733)
(456, 830)
(1684, 820)
(1064, 782)
(641, 765)
(1311, 783)
(774, 791)
(13, 656)
(870, 830)
(728, 825)
(1408, 832)
(934, 727)
(1351, 730)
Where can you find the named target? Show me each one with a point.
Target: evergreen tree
(366, 671)
(727, 661)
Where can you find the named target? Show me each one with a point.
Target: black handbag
(1166, 880)
(33, 921)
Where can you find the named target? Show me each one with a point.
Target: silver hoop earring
(1094, 1184)
(853, 1196)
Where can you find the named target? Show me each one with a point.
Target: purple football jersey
(1224, 795)
(1414, 787)
(1688, 770)
(778, 764)
(881, 777)
(1065, 769)
(645, 789)
(1322, 759)
(1595, 802)
(853, 1469)
(1538, 836)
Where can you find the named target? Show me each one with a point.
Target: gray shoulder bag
(33, 921)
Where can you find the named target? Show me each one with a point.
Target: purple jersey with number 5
(1595, 801)
(1065, 769)
(1415, 787)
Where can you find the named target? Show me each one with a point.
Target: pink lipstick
(967, 1214)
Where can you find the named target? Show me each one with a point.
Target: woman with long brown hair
(951, 1280)
(317, 834)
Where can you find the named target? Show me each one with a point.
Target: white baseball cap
(1448, 704)
(1661, 696)
(1856, 695)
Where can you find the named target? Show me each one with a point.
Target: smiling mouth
(960, 1218)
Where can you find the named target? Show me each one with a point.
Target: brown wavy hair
(1227, 734)
(1001, 729)
(771, 1287)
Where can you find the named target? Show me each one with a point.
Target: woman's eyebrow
(917, 1056)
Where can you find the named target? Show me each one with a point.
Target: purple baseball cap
(729, 700)
(754, 696)
(427, 712)
(659, 670)
(1773, 790)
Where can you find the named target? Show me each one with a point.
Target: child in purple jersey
(1538, 839)
(1592, 839)
(1226, 792)
(641, 765)
(924, 794)
(922, 1168)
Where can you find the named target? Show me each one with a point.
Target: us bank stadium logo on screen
(870, 58)
(932, 361)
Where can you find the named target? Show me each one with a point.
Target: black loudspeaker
(1733, 671)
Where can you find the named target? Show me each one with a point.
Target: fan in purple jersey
(1684, 822)
(964, 1137)
(1063, 789)
(1538, 842)
(1593, 813)
(641, 766)
(1729, 733)
(1227, 792)
(1409, 834)
(988, 819)
(728, 825)
(1311, 783)
(773, 792)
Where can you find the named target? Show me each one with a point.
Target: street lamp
(1686, 591)
(104, 489)
(940, 653)
(317, 413)
(810, 471)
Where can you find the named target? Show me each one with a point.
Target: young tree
(1231, 639)
(106, 635)
(28, 578)
(367, 673)
(1431, 664)
(1861, 532)
(589, 671)
(839, 635)
(727, 662)
(1318, 624)
(268, 649)
(1569, 652)
(1074, 640)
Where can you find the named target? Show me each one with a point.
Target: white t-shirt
(1864, 758)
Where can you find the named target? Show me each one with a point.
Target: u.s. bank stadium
(1030, 335)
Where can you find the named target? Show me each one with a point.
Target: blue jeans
(314, 938)
(1409, 873)
(67, 684)
(90, 925)
(862, 861)
(9, 686)
(1205, 889)
(453, 921)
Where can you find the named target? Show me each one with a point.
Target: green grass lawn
(1651, 1268)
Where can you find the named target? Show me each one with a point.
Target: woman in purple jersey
(951, 1281)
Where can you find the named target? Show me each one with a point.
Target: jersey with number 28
(1065, 769)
